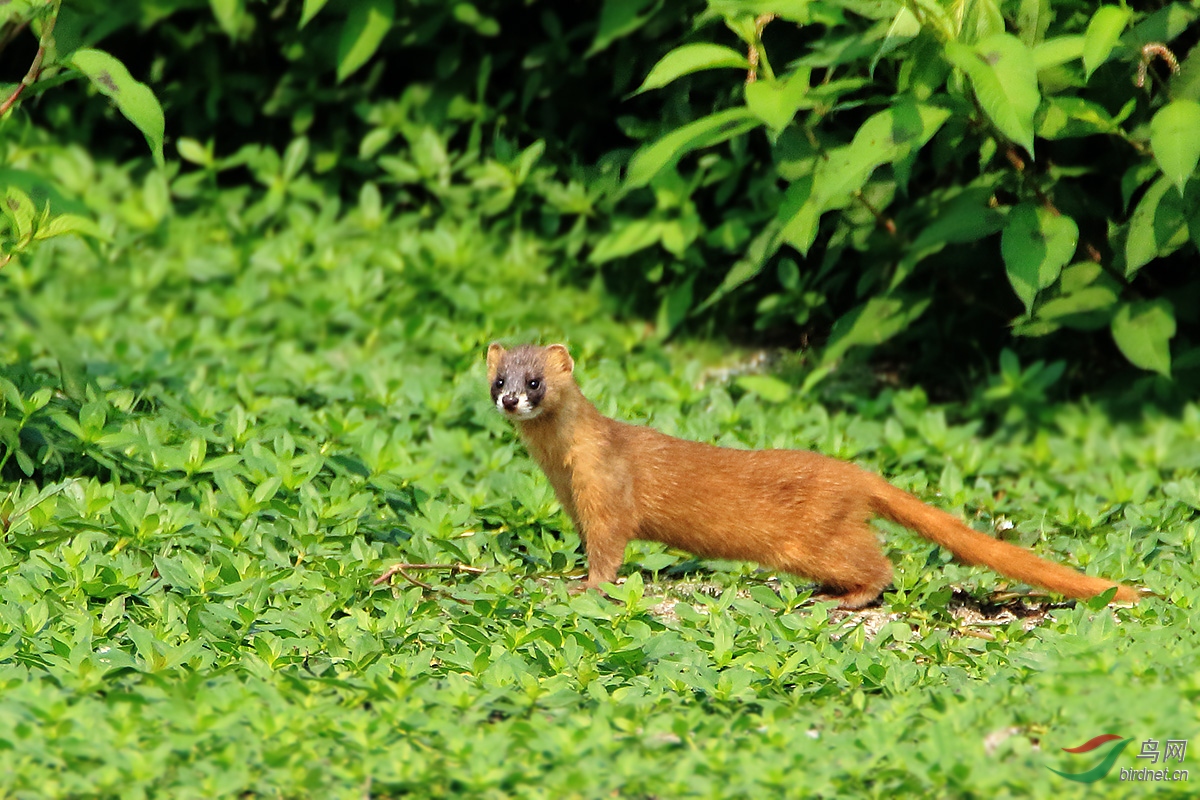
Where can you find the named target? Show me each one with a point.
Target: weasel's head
(529, 381)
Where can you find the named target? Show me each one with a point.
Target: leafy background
(252, 381)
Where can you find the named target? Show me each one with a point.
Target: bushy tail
(973, 547)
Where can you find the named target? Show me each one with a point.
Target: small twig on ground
(986, 635)
(402, 571)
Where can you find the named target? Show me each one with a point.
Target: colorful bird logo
(1103, 766)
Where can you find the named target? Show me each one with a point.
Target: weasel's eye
(499, 383)
(534, 384)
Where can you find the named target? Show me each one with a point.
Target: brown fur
(792, 510)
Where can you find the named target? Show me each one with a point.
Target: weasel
(793, 510)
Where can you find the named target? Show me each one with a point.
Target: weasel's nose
(509, 401)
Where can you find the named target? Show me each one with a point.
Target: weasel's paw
(584, 585)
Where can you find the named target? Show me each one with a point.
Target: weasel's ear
(494, 354)
(557, 355)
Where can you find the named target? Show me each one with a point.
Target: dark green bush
(940, 178)
(886, 166)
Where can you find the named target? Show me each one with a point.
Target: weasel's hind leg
(848, 563)
(861, 595)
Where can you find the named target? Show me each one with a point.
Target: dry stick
(1018, 163)
(987, 635)
(35, 69)
(882, 220)
(401, 570)
(753, 49)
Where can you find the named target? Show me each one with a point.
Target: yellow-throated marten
(793, 510)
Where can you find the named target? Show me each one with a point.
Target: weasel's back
(728, 503)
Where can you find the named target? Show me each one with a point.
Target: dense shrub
(939, 177)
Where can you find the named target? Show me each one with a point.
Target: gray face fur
(520, 383)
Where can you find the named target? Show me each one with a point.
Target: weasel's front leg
(604, 554)
(605, 520)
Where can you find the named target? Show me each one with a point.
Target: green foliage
(257, 383)
(134, 99)
(26, 221)
(889, 142)
(267, 416)
(872, 151)
(24, 224)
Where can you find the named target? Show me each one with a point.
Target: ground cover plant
(259, 428)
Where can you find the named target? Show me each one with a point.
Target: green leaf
(937, 15)
(1065, 117)
(16, 9)
(872, 323)
(1143, 332)
(193, 151)
(528, 159)
(92, 417)
(651, 159)
(133, 98)
(370, 204)
(675, 307)
(233, 488)
(229, 14)
(619, 18)
(293, 158)
(963, 217)
(1004, 77)
(1057, 50)
(362, 33)
(1164, 25)
(691, 58)
(966, 217)
(1085, 309)
(904, 28)
(20, 212)
(1185, 84)
(1086, 298)
(767, 387)
(70, 223)
(375, 141)
(776, 102)
(762, 247)
(1078, 302)
(1158, 226)
(468, 14)
(1175, 137)
(888, 136)
(1103, 33)
(1138, 175)
(310, 9)
(981, 20)
(1036, 245)
(1033, 19)
(626, 237)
